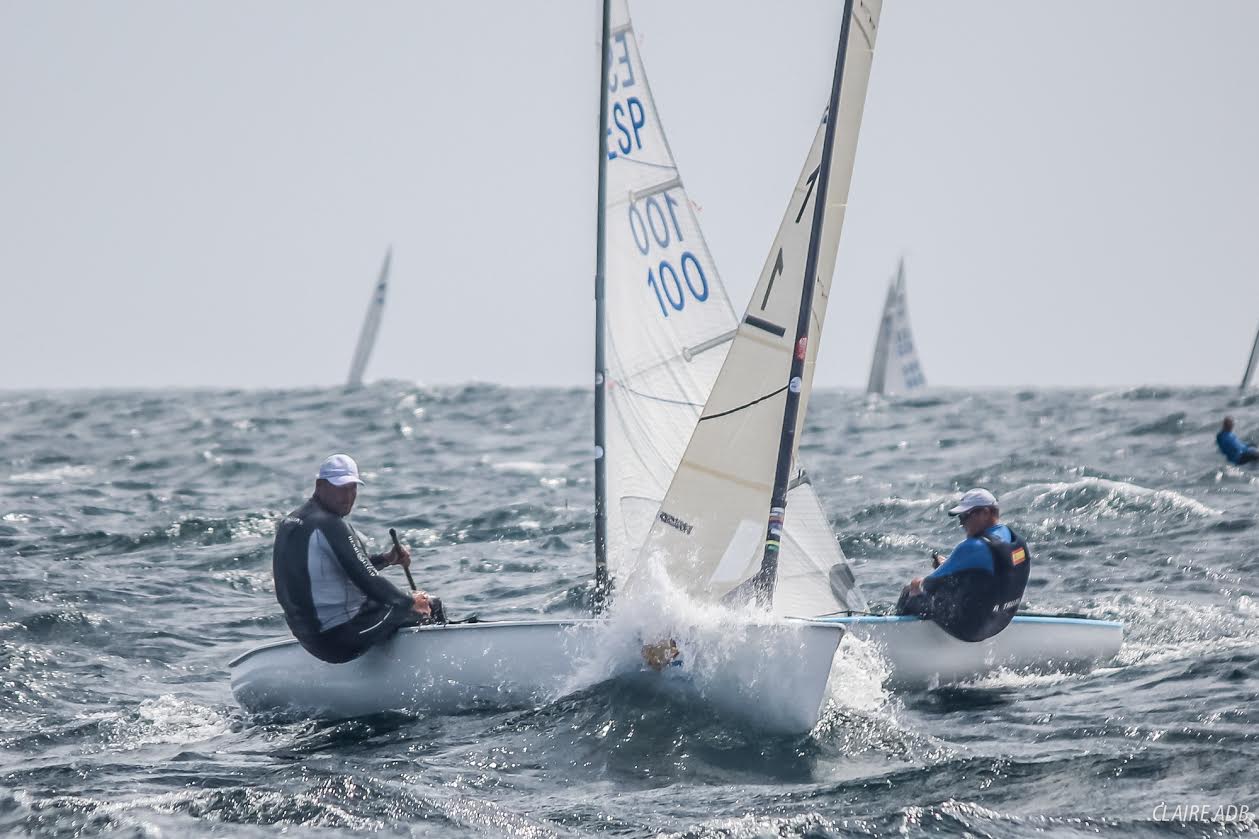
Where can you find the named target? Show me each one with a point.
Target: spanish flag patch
(1018, 555)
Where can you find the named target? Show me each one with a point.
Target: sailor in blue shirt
(973, 594)
(1232, 447)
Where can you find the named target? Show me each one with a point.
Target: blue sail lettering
(626, 143)
(624, 134)
(615, 82)
(638, 118)
(612, 155)
(667, 287)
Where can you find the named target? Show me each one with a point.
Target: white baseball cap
(977, 497)
(339, 470)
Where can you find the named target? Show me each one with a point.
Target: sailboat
(895, 368)
(1251, 364)
(712, 536)
(371, 326)
(657, 359)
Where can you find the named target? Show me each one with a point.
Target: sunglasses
(962, 517)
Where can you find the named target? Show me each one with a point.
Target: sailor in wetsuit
(973, 594)
(335, 601)
(1232, 447)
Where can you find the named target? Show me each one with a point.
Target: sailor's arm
(360, 569)
(397, 555)
(946, 566)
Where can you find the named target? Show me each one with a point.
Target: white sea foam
(166, 719)
(525, 467)
(733, 658)
(1158, 629)
(1106, 499)
(61, 474)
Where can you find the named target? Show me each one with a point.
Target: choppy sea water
(135, 540)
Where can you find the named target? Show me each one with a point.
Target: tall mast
(765, 579)
(601, 464)
(1250, 365)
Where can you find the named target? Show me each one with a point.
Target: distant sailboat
(895, 368)
(1250, 365)
(371, 325)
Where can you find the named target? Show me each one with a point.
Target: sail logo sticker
(802, 346)
(1018, 555)
(795, 384)
(675, 522)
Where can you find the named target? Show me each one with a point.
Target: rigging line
(746, 405)
(624, 386)
(627, 159)
(847, 613)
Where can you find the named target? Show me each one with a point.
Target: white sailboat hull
(919, 654)
(774, 676)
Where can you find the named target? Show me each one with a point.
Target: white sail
(895, 368)
(371, 325)
(663, 358)
(1251, 364)
(813, 574)
(710, 531)
(669, 320)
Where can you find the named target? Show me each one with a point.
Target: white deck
(771, 674)
(922, 655)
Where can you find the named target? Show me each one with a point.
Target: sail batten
(371, 325)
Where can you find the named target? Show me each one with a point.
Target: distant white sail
(371, 326)
(710, 531)
(1250, 365)
(895, 368)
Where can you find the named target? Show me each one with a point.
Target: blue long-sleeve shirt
(1232, 446)
(971, 553)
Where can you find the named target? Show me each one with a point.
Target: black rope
(748, 405)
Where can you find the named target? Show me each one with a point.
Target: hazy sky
(200, 193)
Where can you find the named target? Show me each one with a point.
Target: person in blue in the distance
(974, 593)
(1232, 447)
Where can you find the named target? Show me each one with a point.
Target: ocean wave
(60, 474)
(1173, 424)
(137, 534)
(1102, 498)
(164, 719)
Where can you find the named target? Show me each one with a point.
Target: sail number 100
(664, 281)
(651, 227)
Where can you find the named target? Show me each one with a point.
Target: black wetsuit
(335, 601)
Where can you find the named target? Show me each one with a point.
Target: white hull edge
(920, 654)
(773, 675)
